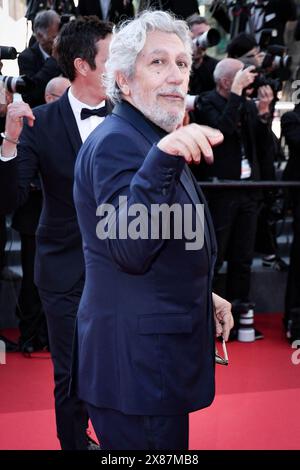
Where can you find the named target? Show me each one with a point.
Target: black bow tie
(86, 113)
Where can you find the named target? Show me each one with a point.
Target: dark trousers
(71, 416)
(32, 319)
(292, 298)
(117, 431)
(234, 214)
(3, 239)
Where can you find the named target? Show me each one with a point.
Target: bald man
(56, 88)
(243, 155)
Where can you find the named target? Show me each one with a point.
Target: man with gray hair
(145, 333)
(37, 62)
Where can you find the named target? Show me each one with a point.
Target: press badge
(245, 168)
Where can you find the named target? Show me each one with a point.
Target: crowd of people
(131, 323)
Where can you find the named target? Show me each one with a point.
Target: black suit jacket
(40, 71)
(180, 8)
(277, 13)
(117, 10)
(290, 125)
(225, 115)
(50, 147)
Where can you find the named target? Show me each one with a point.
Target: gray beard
(160, 117)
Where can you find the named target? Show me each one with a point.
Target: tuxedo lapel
(69, 121)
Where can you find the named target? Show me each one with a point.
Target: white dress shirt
(85, 126)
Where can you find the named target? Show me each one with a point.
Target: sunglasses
(223, 361)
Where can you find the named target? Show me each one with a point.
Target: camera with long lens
(276, 58)
(276, 64)
(263, 80)
(66, 18)
(211, 38)
(21, 84)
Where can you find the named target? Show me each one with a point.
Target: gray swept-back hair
(128, 41)
(44, 19)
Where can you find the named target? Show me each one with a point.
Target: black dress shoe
(32, 345)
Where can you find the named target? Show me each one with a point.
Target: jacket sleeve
(49, 70)
(17, 174)
(225, 119)
(290, 125)
(137, 181)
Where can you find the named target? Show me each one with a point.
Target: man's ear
(81, 66)
(123, 84)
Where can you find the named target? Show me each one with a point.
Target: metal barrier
(231, 184)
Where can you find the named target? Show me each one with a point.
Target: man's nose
(175, 74)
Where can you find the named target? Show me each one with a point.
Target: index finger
(214, 136)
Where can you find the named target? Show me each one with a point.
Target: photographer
(62, 7)
(203, 65)
(6, 274)
(252, 17)
(290, 124)
(109, 10)
(245, 48)
(36, 62)
(234, 212)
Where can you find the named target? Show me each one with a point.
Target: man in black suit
(181, 9)
(202, 73)
(49, 143)
(290, 123)
(110, 10)
(263, 14)
(36, 62)
(234, 212)
(32, 325)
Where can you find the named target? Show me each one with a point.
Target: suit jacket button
(164, 191)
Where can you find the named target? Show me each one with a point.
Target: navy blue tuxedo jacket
(145, 323)
(49, 148)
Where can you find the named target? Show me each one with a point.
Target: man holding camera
(37, 62)
(234, 212)
(203, 65)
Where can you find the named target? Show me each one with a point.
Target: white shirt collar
(77, 105)
(85, 126)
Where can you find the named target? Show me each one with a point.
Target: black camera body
(276, 63)
(264, 80)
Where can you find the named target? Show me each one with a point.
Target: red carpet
(256, 405)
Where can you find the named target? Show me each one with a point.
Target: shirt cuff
(7, 159)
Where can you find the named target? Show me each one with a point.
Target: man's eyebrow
(181, 55)
(164, 51)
